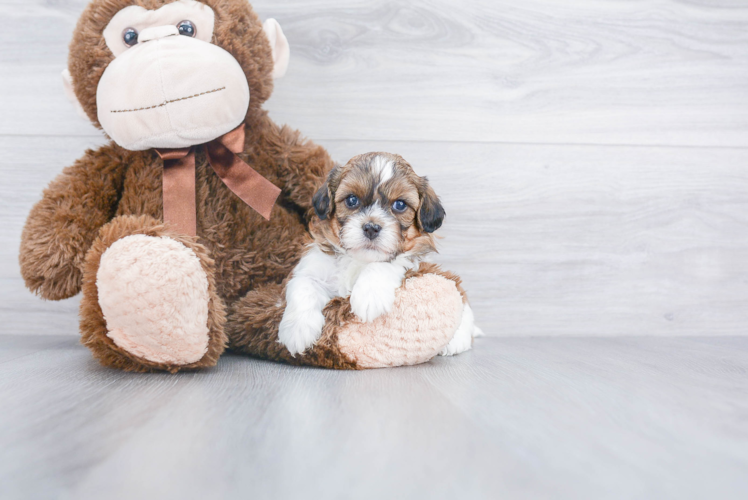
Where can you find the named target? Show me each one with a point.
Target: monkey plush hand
(182, 231)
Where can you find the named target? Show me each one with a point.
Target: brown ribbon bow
(179, 180)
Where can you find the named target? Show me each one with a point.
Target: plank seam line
(321, 140)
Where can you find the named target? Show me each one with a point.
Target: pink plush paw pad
(424, 318)
(154, 296)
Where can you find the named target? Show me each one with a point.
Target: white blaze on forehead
(382, 167)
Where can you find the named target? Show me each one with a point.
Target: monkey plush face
(160, 74)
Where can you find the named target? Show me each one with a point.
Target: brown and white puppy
(376, 219)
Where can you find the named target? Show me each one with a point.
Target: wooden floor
(592, 156)
(534, 418)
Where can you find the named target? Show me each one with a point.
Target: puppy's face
(376, 208)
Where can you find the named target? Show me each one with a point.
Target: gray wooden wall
(592, 155)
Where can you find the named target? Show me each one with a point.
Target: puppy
(375, 222)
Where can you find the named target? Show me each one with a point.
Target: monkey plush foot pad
(153, 293)
(424, 318)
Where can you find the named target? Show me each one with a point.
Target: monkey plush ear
(279, 44)
(67, 84)
(431, 214)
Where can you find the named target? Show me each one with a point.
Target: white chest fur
(348, 271)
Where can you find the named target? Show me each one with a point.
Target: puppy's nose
(371, 230)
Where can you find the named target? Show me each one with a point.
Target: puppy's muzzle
(372, 230)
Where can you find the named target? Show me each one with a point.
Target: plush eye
(186, 28)
(399, 206)
(351, 201)
(130, 37)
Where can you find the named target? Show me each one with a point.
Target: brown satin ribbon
(244, 181)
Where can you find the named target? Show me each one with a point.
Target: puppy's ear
(322, 201)
(431, 214)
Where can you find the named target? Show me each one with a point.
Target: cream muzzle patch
(185, 90)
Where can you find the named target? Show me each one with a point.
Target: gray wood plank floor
(658, 418)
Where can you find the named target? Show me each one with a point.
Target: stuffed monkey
(182, 231)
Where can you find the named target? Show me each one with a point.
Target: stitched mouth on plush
(168, 102)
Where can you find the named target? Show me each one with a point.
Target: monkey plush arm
(63, 224)
(300, 165)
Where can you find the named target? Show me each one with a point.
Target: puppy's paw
(461, 342)
(463, 338)
(372, 297)
(299, 330)
(368, 306)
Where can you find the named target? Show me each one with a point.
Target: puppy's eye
(130, 37)
(399, 206)
(186, 28)
(351, 201)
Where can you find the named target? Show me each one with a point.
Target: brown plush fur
(253, 329)
(111, 193)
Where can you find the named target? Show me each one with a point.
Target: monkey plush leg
(425, 316)
(252, 328)
(149, 299)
